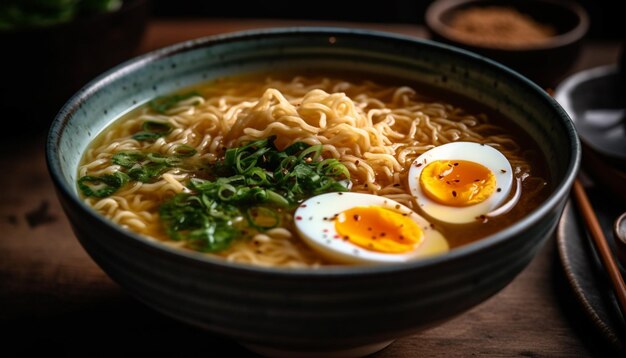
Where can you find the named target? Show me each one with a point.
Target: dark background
(606, 18)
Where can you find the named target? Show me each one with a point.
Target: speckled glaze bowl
(346, 310)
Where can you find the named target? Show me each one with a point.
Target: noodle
(376, 131)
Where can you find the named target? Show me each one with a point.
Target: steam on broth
(234, 167)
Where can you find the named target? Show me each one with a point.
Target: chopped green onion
(184, 151)
(163, 104)
(152, 130)
(146, 173)
(102, 186)
(127, 159)
(156, 127)
(262, 218)
(146, 136)
(252, 182)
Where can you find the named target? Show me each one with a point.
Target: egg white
(315, 225)
(485, 155)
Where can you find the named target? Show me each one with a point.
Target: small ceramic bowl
(545, 63)
(595, 99)
(348, 310)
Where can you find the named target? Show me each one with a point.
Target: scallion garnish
(152, 130)
(163, 104)
(102, 186)
(251, 184)
(184, 151)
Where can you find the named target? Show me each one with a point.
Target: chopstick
(599, 240)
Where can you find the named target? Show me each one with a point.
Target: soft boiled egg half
(460, 182)
(366, 229)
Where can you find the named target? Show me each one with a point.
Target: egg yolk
(457, 182)
(378, 229)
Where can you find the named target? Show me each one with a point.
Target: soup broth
(171, 170)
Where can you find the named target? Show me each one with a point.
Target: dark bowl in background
(40, 68)
(546, 63)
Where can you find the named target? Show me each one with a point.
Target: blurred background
(51, 48)
(606, 18)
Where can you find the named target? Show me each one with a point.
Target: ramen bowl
(349, 310)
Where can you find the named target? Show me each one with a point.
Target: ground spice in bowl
(497, 26)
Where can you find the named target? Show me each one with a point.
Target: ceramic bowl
(595, 99)
(546, 63)
(345, 310)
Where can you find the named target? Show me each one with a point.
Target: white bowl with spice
(541, 39)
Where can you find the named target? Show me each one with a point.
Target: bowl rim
(438, 8)
(199, 259)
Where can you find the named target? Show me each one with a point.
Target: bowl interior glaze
(325, 308)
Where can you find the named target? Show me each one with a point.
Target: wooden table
(54, 297)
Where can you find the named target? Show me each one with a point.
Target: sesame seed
(454, 193)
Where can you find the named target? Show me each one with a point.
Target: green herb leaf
(146, 136)
(152, 130)
(147, 172)
(163, 104)
(102, 186)
(127, 159)
(156, 127)
(199, 222)
(184, 151)
(253, 182)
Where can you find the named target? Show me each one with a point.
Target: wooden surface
(53, 296)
